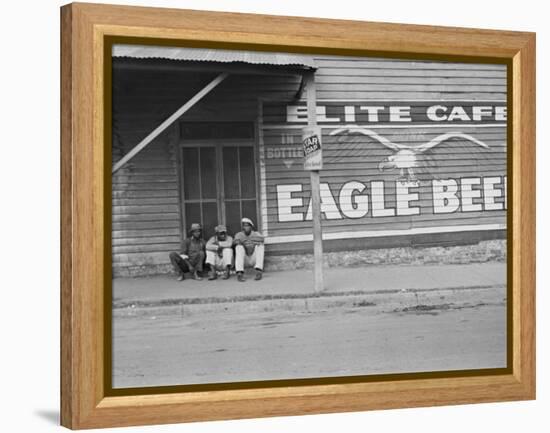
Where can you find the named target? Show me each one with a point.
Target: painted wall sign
(387, 165)
(313, 154)
(394, 112)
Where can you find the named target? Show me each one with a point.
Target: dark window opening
(216, 130)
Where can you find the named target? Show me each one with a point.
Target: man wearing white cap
(219, 253)
(249, 250)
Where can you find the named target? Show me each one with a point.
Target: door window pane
(190, 161)
(231, 172)
(210, 218)
(249, 210)
(192, 215)
(248, 177)
(233, 216)
(208, 172)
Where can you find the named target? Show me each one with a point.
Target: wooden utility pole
(315, 188)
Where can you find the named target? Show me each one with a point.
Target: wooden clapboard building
(414, 152)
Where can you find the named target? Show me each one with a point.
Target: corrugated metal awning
(214, 55)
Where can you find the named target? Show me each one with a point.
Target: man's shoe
(181, 277)
(196, 276)
(212, 275)
(226, 274)
(259, 275)
(240, 276)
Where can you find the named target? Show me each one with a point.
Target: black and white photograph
(275, 216)
(280, 216)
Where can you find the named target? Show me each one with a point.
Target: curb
(398, 301)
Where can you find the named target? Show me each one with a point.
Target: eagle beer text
(355, 199)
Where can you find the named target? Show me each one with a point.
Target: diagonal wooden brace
(159, 129)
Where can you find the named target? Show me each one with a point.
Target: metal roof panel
(213, 55)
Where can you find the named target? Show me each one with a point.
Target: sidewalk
(299, 284)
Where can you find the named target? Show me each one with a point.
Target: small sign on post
(313, 157)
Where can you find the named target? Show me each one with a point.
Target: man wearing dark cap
(249, 250)
(219, 253)
(191, 256)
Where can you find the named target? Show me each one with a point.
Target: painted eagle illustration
(408, 159)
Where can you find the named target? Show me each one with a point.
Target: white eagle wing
(440, 138)
(383, 140)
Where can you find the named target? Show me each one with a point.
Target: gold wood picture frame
(88, 33)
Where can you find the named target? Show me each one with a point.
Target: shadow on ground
(49, 415)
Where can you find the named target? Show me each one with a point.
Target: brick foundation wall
(485, 251)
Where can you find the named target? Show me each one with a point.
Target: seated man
(219, 253)
(191, 255)
(249, 250)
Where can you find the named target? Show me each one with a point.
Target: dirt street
(154, 350)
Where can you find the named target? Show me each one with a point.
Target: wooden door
(239, 185)
(219, 185)
(200, 197)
